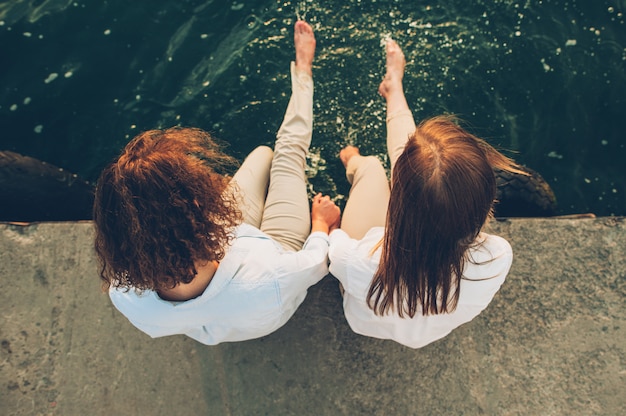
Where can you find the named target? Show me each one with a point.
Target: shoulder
(370, 239)
(493, 246)
(491, 257)
(354, 262)
(351, 251)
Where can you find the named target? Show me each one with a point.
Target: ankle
(304, 67)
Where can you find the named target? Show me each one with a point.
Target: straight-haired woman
(411, 257)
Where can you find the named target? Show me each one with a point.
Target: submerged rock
(523, 195)
(32, 190)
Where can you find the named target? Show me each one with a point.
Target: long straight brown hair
(442, 192)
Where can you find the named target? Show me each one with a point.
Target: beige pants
(369, 195)
(272, 184)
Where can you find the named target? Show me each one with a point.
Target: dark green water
(545, 79)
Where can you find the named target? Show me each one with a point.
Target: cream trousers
(369, 194)
(272, 184)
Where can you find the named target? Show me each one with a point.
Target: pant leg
(369, 196)
(252, 179)
(286, 216)
(400, 126)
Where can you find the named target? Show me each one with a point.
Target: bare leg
(400, 123)
(286, 217)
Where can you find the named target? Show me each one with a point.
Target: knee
(264, 152)
(373, 160)
(370, 163)
(364, 166)
(261, 156)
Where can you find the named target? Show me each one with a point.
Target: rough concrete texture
(553, 342)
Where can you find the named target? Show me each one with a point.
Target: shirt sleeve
(301, 269)
(339, 255)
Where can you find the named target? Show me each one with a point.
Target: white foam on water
(384, 38)
(301, 10)
(51, 78)
(315, 162)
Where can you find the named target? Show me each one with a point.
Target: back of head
(160, 207)
(443, 189)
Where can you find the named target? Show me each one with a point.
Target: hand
(325, 215)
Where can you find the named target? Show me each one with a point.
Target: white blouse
(353, 265)
(257, 287)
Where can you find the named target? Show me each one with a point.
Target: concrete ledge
(553, 342)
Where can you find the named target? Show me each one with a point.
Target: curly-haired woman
(411, 256)
(184, 250)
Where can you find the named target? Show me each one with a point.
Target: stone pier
(553, 341)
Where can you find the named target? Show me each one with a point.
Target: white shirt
(257, 287)
(352, 264)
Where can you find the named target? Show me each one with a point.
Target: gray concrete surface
(553, 342)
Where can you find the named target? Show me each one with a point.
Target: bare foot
(395, 70)
(304, 41)
(346, 153)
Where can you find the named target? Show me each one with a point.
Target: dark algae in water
(543, 79)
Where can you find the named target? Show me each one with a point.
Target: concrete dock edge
(553, 342)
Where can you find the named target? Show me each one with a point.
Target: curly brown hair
(161, 207)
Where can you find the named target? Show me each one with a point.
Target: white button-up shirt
(257, 287)
(353, 265)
